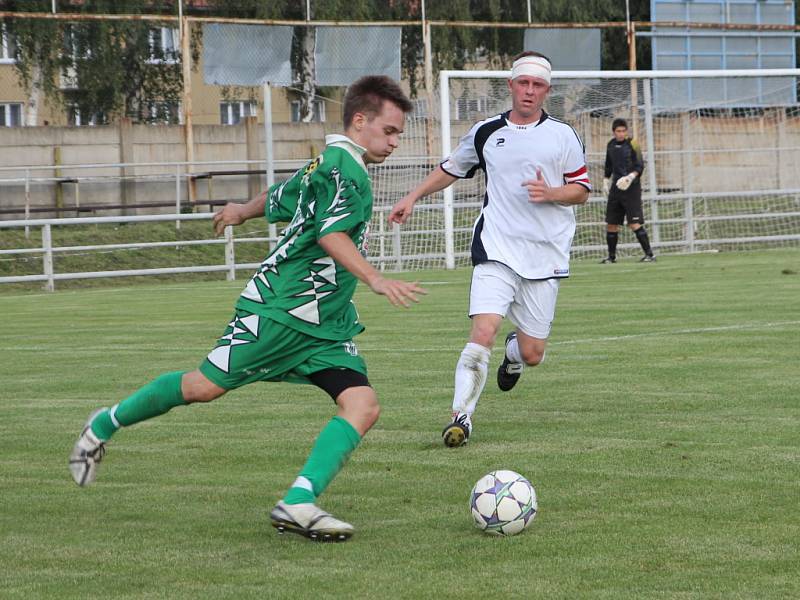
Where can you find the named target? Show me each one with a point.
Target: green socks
(156, 398)
(332, 449)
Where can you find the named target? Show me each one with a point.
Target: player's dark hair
(367, 94)
(531, 53)
(619, 123)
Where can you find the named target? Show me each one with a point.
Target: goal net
(721, 151)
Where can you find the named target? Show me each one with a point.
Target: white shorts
(529, 303)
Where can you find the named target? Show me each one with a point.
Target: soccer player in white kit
(535, 169)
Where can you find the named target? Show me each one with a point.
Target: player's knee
(195, 387)
(371, 411)
(359, 405)
(197, 394)
(532, 356)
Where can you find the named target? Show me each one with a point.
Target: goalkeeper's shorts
(625, 205)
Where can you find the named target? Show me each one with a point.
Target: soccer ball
(503, 503)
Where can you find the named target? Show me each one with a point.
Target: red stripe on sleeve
(580, 171)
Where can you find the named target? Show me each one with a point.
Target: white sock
(512, 351)
(471, 370)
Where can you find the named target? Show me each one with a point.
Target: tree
(121, 68)
(100, 68)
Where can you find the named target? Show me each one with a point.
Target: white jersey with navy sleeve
(533, 239)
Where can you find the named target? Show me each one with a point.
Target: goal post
(721, 149)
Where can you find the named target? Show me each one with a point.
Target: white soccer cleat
(310, 521)
(86, 454)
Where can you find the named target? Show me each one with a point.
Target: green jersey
(298, 284)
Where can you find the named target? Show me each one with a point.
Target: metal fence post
(177, 195)
(382, 242)
(397, 247)
(47, 257)
(27, 202)
(230, 256)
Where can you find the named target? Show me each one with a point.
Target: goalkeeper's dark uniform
(624, 162)
(623, 158)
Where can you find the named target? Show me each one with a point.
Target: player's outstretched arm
(342, 249)
(236, 214)
(435, 181)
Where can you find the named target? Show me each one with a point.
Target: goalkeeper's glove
(624, 183)
(606, 186)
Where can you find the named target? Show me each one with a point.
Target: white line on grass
(741, 326)
(614, 338)
(368, 348)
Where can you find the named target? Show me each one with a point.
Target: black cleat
(457, 433)
(648, 258)
(608, 260)
(508, 373)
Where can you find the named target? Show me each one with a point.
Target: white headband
(534, 66)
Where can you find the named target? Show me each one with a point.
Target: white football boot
(86, 454)
(310, 521)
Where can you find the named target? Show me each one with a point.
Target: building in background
(211, 105)
(675, 48)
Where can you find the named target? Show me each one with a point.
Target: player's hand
(399, 293)
(230, 214)
(606, 186)
(402, 210)
(538, 190)
(624, 183)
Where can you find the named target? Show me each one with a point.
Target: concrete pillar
(254, 182)
(128, 186)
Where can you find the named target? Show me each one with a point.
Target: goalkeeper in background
(623, 171)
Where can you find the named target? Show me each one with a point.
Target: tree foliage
(103, 68)
(117, 70)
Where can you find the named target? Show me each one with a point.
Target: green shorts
(256, 348)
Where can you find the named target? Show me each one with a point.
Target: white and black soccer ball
(503, 503)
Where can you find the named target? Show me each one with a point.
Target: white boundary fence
(386, 241)
(48, 250)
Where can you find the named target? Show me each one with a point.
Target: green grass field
(662, 435)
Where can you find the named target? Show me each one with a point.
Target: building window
(10, 115)
(75, 44)
(77, 119)
(469, 108)
(231, 113)
(8, 46)
(164, 113)
(164, 45)
(420, 108)
(319, 111)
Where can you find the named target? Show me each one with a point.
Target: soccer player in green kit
(295, 320)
